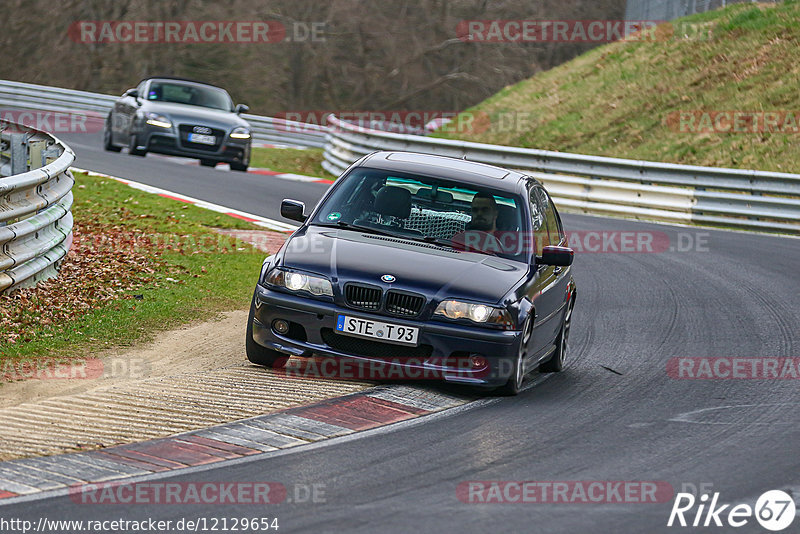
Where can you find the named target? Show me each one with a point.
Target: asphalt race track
(614, 415)
(252, 193)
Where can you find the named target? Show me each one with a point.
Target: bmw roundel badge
(388, 278)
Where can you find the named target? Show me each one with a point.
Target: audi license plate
(202, 139)
(392, 333)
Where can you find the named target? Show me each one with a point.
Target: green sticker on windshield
(335, 216)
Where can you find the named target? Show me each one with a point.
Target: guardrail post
(19, 155)
(36, 149)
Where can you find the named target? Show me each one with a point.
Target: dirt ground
(186, 379)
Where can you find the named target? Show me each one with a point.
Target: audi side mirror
(136, 96)
(293, 210)
(557, 256)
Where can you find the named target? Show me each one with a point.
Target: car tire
(208, 162)
(107, 143)
(241, 167)
(256, 353)
(132, 144)
(556, 362)
(517, 378)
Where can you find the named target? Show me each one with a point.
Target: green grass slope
(625, 99)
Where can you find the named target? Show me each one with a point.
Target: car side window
(553, 220)
(551, 223)
(562, 236)
(538, 224)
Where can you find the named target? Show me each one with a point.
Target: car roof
(458, 170)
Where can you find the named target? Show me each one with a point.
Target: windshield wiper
(350, 226)
(436, 241)
(457, 246)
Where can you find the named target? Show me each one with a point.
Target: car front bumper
(169, 141)
(444, 351)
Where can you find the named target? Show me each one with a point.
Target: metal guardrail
(26, 96)
(282, 131)
(35, 201)
(756, 200)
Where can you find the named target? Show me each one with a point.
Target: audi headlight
(156, 119)
(477, 313)
(294, 281)
(240, 133)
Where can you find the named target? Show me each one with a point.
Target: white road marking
(258, 220)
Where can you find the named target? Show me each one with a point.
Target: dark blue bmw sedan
(439, 267)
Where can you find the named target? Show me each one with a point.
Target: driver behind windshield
(484, 213)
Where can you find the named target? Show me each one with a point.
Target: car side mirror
(293, 210)
(241, 108)
(557, 256)
(133, 93)
(137, 97)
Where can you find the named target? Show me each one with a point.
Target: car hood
(184, 114)
(437, 272)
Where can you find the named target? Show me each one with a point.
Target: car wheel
(208, 162)
(556, 362)
(107, 143)
(132, 144)
(241, 167)
(256, 353)
(517, 378)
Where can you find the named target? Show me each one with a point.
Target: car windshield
(191, 94)
(433, 210)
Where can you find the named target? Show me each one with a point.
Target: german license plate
(202, 139)
(378, 330)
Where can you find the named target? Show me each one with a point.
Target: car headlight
(477, 313)
(156, 119)
(294, 281)
(240, 133)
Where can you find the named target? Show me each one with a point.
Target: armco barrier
(35, 202)
(26, 96)
(755, 200)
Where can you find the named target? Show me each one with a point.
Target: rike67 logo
(774, 510)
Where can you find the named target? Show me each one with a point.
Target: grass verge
(625, 99)
(290, 160)
(139, 264)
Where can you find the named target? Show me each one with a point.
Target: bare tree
(375, 54)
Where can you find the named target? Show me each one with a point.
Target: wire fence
(673, 9)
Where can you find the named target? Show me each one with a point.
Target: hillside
(661, 99)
